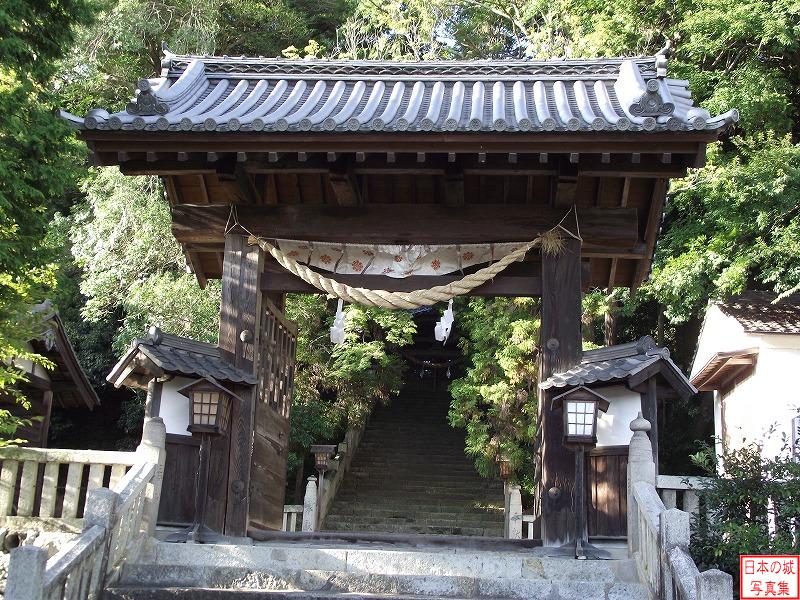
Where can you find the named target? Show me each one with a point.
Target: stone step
(425, 512)
(457, 521)
(446, 520)
(173, 570)
(411, 529)
(172, 593)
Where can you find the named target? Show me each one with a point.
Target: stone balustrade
(116, 524)
(659, 536)
(291, 512)
(43, 488)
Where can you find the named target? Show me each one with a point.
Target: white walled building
(748, 350)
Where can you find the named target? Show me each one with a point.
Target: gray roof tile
(758, 312)
(616, 363)
(205, 93)
(183, 356)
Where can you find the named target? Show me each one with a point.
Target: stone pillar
(26, 570)
(153, 449)
(561, 349)
(714, 585)
(640, 468)
(514, 514)
(101, 510)
(310, 505)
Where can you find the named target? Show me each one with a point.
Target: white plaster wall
(613, 427)
(720, 333)
(29, 367)
(175, 406)
(760, 408)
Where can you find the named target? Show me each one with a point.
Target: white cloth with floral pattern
(393, 260)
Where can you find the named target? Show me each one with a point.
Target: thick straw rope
(399, 300)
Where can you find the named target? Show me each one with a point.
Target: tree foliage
(336, 386)
(752, 508)
(35, 161)
(495, 401)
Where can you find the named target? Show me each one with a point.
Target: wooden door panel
(180, 468)
(277, 344)
(607, 491)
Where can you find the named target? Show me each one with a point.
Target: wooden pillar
(650, 412)
(561, 347)
(238, 323)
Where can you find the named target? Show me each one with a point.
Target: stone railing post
(26, 570)
(714, 585)
(101, 509)
(640, 468)
(514, 513)
(310, 505)
(673, 532)
(153, 449)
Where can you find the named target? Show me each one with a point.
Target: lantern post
(209, 415)
(580, 413)
(322, 456)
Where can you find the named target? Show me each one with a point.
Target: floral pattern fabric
(392, 260)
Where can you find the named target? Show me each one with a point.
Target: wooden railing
(291, 512)
(659, 536)
(47, 488)
(116, 523)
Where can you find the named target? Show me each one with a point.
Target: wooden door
(277, 343)
(607, 490)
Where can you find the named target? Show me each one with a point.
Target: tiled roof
(618, 363)
(758, 312)
(181, 356)
(205, 93)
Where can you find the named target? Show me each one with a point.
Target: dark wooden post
(650, 412)
(241, 306)
(561, 346)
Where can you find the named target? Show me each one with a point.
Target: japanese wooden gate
(403, 153)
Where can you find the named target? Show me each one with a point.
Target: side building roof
(632, 363)
(762, 312)
(227, 94)
(161, 354)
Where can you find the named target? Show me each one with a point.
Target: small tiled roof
(225, 94)
(180, 356)
(758, 312)
(619, 363)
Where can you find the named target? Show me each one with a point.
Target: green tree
(740, 504)
(495, 401)
(35, 169)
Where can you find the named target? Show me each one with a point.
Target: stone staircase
(336, 570)
(410, 476)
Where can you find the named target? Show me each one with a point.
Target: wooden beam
(560, 346)
(241, 304)
(344, 184)
(616, 142)
(401, 223)
(600, 165)
(454, 188)
(651, 229)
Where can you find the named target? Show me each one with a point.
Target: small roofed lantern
(210, 406)
(322, 456)
(581, 407)
(505, 468)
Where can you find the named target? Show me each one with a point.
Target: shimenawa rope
(551, 241)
